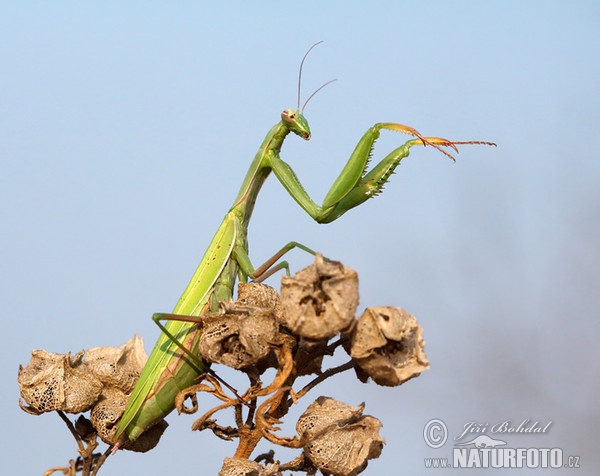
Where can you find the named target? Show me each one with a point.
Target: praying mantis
(169, 369)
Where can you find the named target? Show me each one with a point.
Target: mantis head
(296, 122)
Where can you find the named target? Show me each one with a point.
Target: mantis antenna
(312, 95)
(300, 79)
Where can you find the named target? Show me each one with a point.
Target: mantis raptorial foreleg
(353, 185)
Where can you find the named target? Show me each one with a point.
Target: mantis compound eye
(288, 115)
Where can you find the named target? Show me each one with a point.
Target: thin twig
(72, 429)
(325, 375)
(101, 461)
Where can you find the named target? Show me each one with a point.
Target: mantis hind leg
(199, 364)
(195, 361)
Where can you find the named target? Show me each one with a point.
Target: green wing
(148, 392)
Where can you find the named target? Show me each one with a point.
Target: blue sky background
(125, 132)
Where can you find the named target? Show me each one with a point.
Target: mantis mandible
(168, 369)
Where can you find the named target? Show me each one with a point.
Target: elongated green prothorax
(169, 369)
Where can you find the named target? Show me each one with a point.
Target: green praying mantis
(170, 367)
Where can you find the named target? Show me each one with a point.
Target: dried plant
(293, 333)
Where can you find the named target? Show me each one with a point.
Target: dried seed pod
(118, 367)
(337, 439)
(320, 301)
(345, 451)
(259, 295)
(57, 382)
(240, 337)
(245, 467)
(388, 345)
(283, 339)
(324, 413)
(108, 411)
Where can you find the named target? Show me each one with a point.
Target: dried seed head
(259, 295)
(240, 337)
(100, 381)
(388, 345)
(337, 439)
(118, 367)
(320, 301)
(325, 413)
(106, 414)
(57, 382)
(245, 467)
